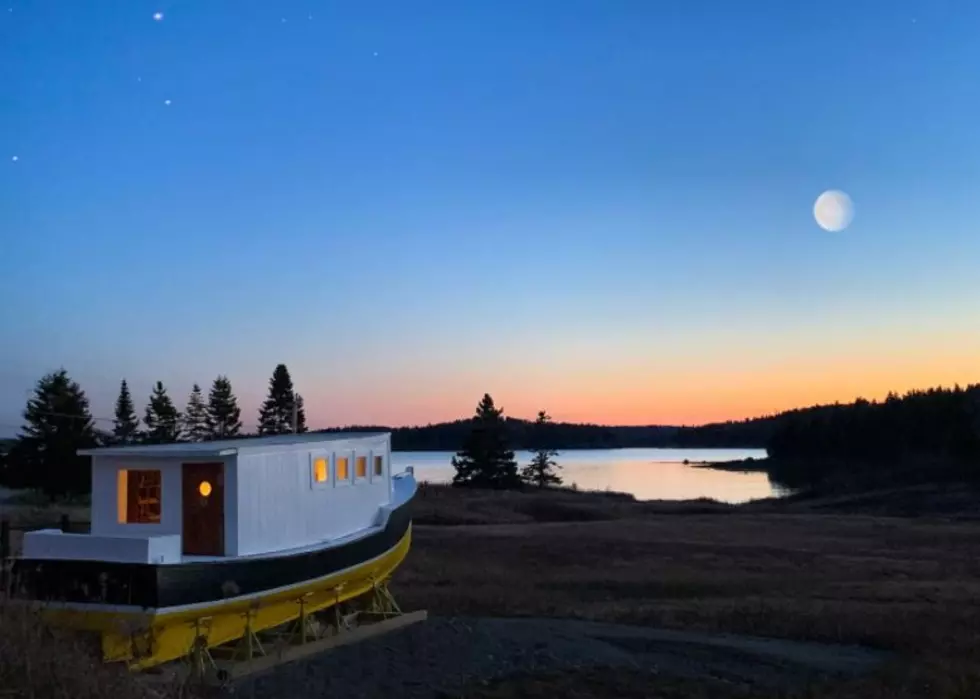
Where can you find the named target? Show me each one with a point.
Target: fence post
(65, 524)
(4, 540)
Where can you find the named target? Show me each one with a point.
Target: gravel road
(438, 657)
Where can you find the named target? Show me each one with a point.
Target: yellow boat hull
(143, 640)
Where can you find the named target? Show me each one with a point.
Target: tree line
(523, 434)
(58, 423)
(922, 436)
(217, 418)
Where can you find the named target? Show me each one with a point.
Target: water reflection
(649, 474)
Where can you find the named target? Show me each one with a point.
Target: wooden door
(203, 492)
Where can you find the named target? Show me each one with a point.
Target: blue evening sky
(414, 202)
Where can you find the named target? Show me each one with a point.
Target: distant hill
(925, 436)
(449, 436)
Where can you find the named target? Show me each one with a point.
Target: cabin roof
(226, 447)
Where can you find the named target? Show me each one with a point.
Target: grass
(41, 663)
(799, 570)
(911, 585)
(446, 506)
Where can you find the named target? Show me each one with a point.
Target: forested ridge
(521, 434)
(923, 436)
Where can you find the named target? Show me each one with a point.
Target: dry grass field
(911, 585)
(794, 571)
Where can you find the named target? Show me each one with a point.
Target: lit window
(138, 496)
(379, 465)
(343, 473)
(360, 467)
(320, 469)
(204, 489)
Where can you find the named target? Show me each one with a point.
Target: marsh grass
(910, 585)
(38, 662)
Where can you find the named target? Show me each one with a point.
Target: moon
(833, 210)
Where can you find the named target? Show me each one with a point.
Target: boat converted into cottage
(226, 536)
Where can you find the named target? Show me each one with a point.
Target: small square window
(360, 467)
(379, 465)
(138, 496)
(320, 470)
(343, 468)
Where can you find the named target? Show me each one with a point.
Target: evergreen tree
(162, 418)
(223, 413)
(196, 417)
(276, 413)
(300, 414)
(57, 424)
(541, 470)
(126, 426)
(485, 461)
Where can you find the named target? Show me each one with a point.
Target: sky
(600, 208)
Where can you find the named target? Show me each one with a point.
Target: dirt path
(442, 655)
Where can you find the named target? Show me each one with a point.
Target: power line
(61, 415)
(75, 417)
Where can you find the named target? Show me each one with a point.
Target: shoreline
(749, 465)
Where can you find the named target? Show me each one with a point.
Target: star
(15, 158)
(283, 20)
(158, 16)
(375, 53)
(167, 102)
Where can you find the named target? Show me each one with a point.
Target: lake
(648, 474)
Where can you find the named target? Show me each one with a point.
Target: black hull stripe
(152, 585)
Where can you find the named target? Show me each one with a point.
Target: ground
(806, 571)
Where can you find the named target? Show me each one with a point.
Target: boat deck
(294, 551)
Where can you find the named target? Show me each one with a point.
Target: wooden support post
(302, 620)
(338, 622)
(4, 540)
(65, 523)
(200, 654)
(295, 652)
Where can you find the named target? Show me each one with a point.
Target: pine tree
(126, 426)
(541, 470)
(276, 413)
(57, 424)
(223, 413)
(195, 420)
(485, 461)
(162, 418)
(300, 414)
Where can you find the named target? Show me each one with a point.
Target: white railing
(56, 544)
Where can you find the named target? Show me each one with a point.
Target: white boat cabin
(174, 503)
